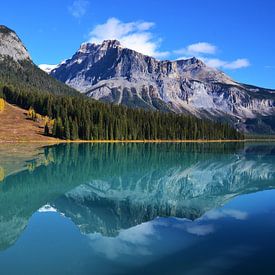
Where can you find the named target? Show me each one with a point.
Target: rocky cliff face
(111, 73)
(11, 45)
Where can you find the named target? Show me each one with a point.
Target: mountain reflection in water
(104, 188)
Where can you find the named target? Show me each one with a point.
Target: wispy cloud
(230, 65)
(200, 229)
(135, 35)
(198, 48)
(206, 51)
(78, 8)
(218, 214)
(139, 36)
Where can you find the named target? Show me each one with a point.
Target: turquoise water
(138, 209)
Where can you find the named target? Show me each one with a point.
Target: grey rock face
(11, 45)
(111, 73)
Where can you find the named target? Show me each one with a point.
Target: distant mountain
(112, 73)
(18, 70)
(47, 68)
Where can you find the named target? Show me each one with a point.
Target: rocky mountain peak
(5, 30)
(196, 61)
(88, 47)
(11, 45)
(192, 63)
(115, 74)
(110, 44)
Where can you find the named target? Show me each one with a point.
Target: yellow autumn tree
(2, 104)
(2, 173)
(31, 113)
(51, 122)
(38, 117)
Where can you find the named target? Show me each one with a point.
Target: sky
(236, 36)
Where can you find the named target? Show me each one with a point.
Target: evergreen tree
(74, 130)
(67, 134)
(46, 129)
(54, 128)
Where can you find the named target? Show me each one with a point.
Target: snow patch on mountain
(47, 68)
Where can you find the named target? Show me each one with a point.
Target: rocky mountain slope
(11, 45)
(111, 73)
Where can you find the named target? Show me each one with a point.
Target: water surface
(138, 209)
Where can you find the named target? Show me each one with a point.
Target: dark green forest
(79, 117)
(27, 76)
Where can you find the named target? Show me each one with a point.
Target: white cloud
(237, 64)
(218, 214)
(198, 48)
(78, 8)
(203, 50)
(213, 62)
(222, 64)
(133, 35)
(193, 227)
(138, 36)
(200, 230)
(237, 214)
(132, 241)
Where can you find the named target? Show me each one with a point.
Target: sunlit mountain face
(129, 205)
(114, 74)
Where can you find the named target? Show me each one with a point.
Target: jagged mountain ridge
(112, 73)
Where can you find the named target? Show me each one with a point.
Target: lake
(137, 208)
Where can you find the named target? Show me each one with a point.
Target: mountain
(18, 71)
(112, 73)
(77, 116)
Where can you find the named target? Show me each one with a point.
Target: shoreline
(137, 141)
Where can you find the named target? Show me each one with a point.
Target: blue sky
(235, 36)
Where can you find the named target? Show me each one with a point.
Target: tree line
(78, 117)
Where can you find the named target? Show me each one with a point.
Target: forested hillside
(24, 75)
(77, 117)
